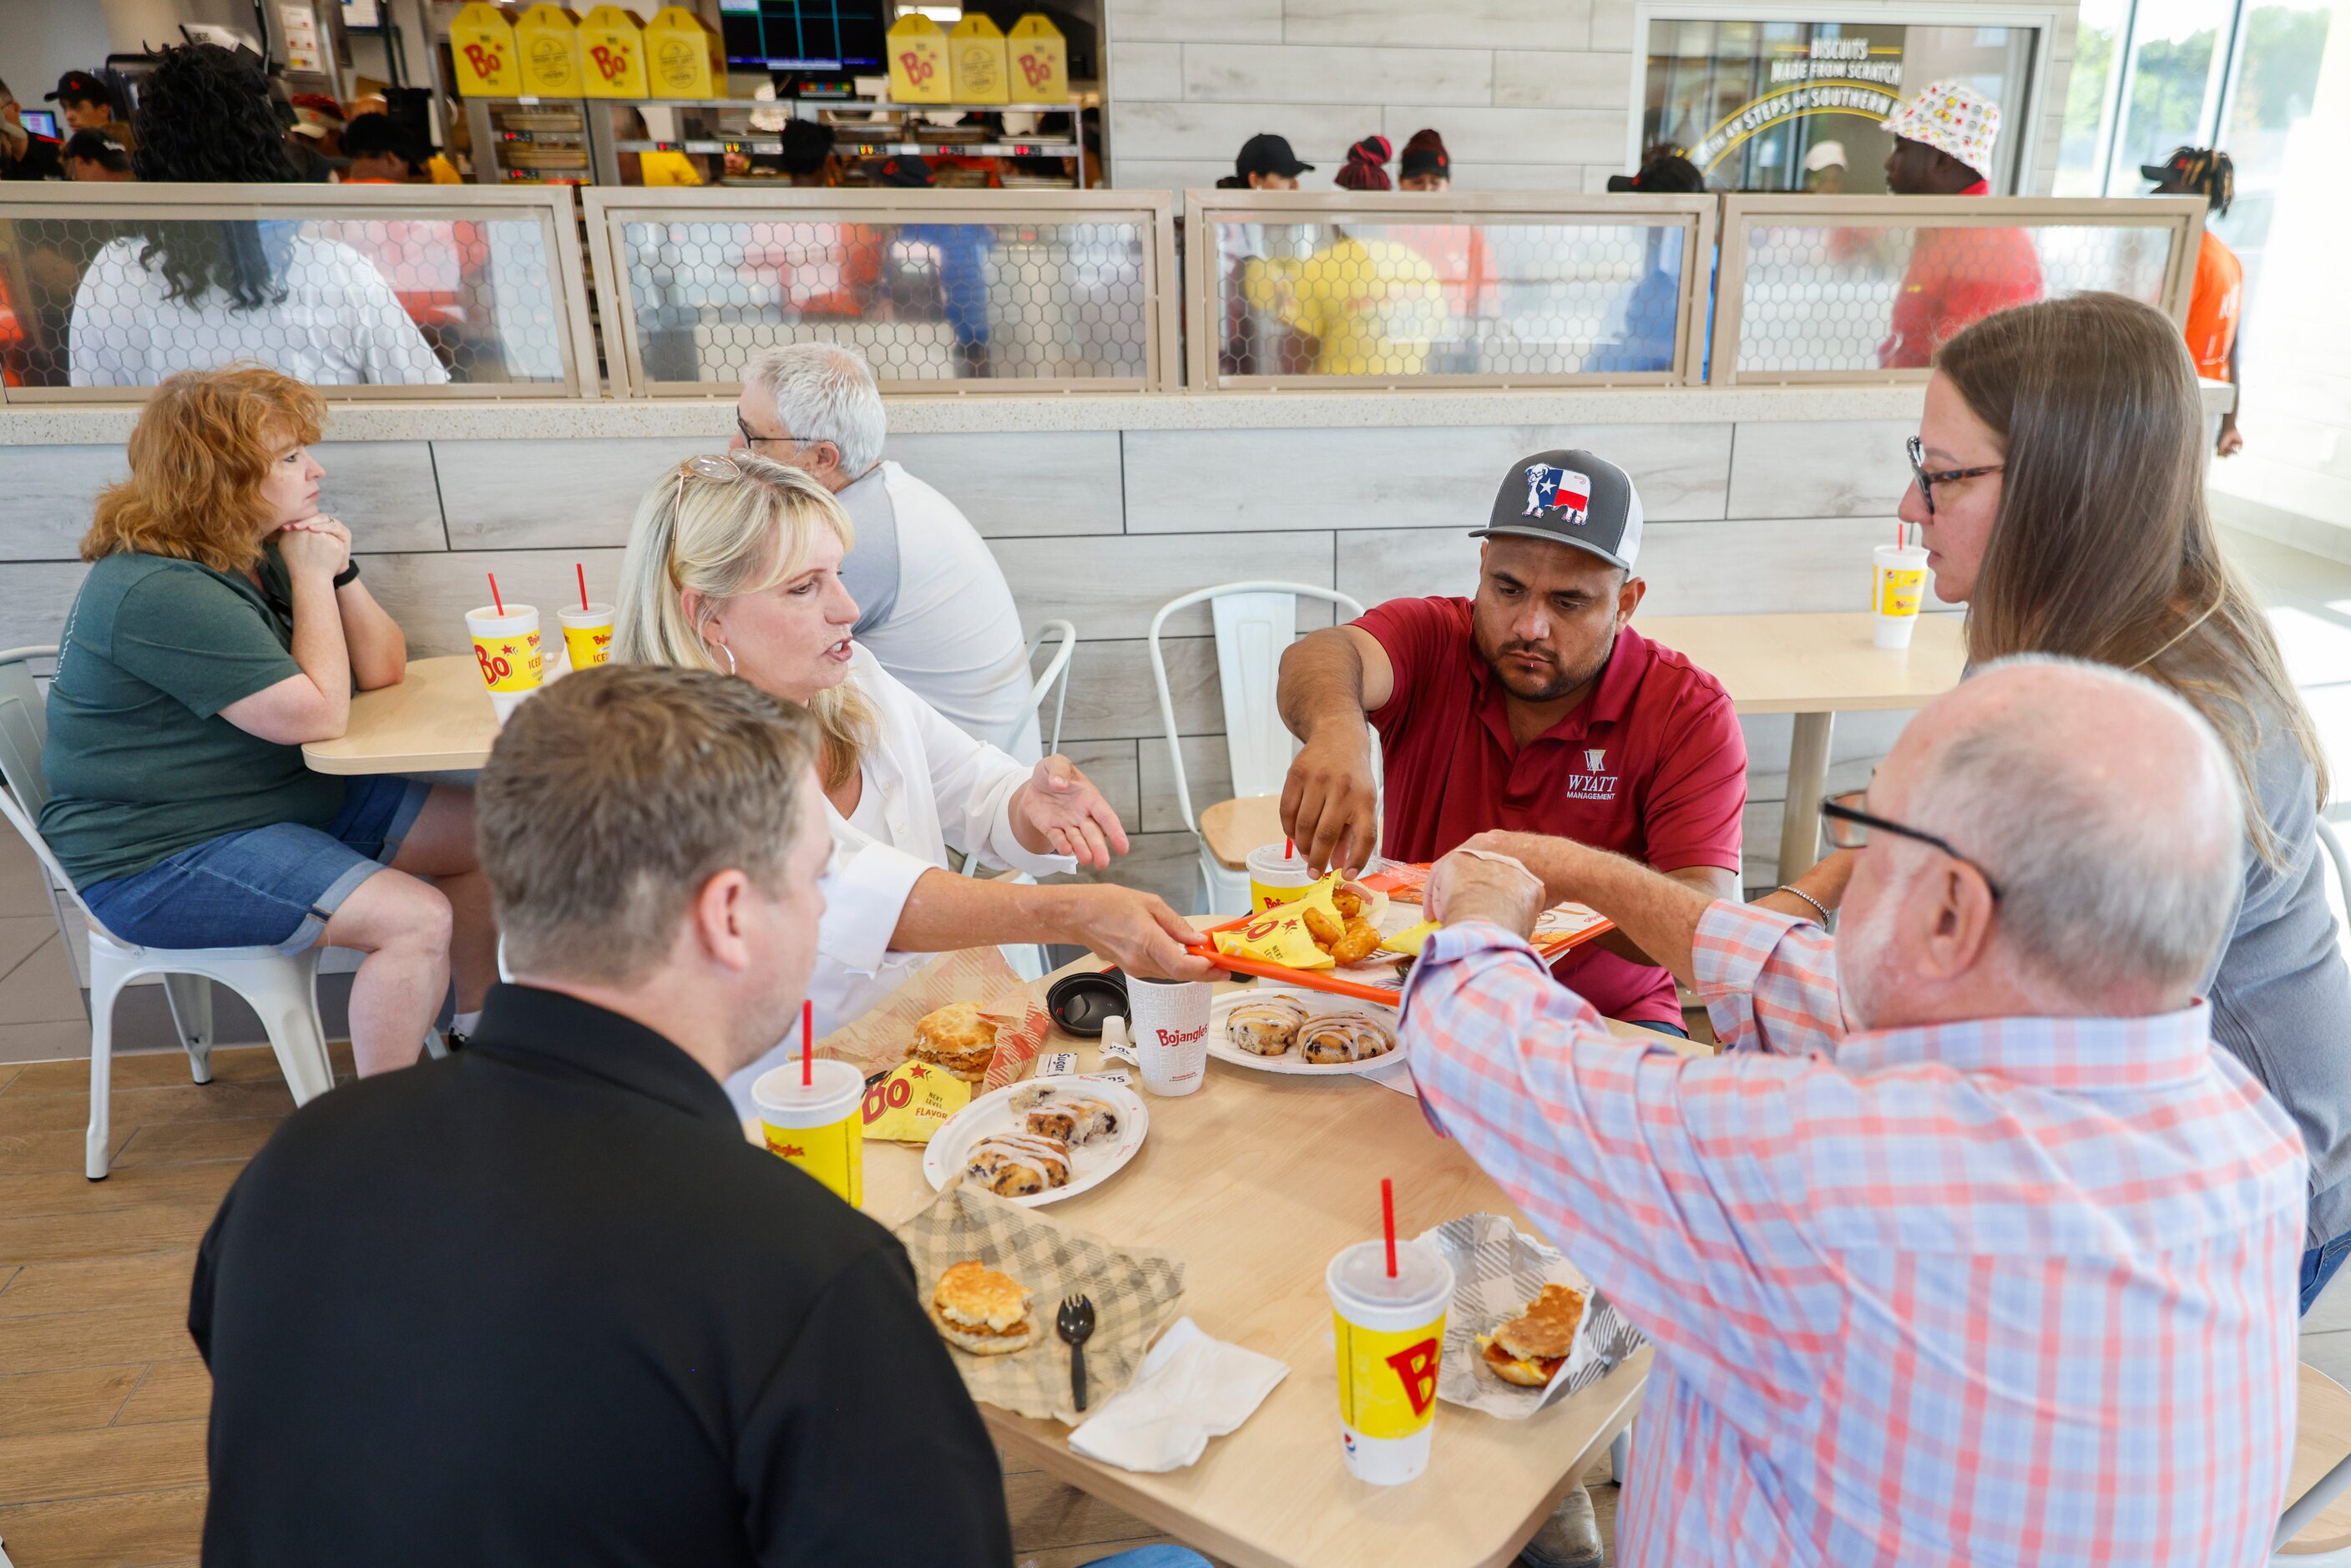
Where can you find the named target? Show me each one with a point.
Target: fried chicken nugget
(1321, 926)
(1357, 943)
(1347, 901)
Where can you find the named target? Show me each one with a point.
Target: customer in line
(2060, 494)
(1943, 142)
(2216, 304)
(192, 294)
(734, 564)
(223, 624)
(932, 604)
(1534, 705)
(96, 155)
(1366, 168)
(1972, 1249)
(379, 151)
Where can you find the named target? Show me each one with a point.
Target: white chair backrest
(1256, 622)
(1057, 668)
(24, 726)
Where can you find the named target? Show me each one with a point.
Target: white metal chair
(1255, 623)
(2317, 1527)
(1027, 958)
(281, 988)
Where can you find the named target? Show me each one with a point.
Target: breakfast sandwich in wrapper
(912, 1102)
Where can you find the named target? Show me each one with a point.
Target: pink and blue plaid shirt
(2011, 1290)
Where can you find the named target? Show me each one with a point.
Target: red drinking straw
(807, 1057)
(1387, 1220)
(1287, 851)
(494, 593)
(581, 567)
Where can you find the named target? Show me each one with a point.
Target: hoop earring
(730, 657)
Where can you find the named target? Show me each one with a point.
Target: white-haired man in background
(1972, 1249)
(931, 602)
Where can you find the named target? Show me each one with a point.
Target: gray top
(2281, 993)
(869, 571)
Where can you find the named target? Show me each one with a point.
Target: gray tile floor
(41, 1015)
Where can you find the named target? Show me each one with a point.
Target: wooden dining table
(1256, 1181)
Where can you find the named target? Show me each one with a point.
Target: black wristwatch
(347, 576)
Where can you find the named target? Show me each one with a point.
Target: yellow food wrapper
(1276, 936)
(1412, 938)
(913, 1102)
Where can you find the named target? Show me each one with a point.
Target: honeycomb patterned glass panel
(103, 302)
(1498, 298)
(921, 301)
(1821, 297)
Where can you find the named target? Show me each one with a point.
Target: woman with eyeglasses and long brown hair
(2058, 490)
(733, 565)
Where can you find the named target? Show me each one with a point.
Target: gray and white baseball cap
(1569, 498)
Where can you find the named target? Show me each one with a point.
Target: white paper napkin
(1191, 1388)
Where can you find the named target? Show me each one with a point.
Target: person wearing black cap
(1534, 705)
(1266, 163)
(86, 103)
(2216, 307)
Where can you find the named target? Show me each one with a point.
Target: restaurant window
(1787, 106)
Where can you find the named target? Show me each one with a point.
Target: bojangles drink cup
(1897, 585)
(819, 1127)
(1390, 1332)
(506, 645)
(587, 634)
(1170, 1020)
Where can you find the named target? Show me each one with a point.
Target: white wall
(40, 40)
(1529, 94)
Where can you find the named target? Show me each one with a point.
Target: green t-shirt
(140, 765)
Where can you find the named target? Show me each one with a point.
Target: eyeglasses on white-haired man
(1971, 1246)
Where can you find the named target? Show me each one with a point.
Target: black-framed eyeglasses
(1848, 827)
(752, 441)
(1926, 480)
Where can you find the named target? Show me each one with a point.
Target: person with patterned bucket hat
(1943, 142)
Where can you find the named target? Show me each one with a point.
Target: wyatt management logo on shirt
(1592, 784)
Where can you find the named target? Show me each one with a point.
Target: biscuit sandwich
(982, 1312)
(955, 1040)
(1529, 1349)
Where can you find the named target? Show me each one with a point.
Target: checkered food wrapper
(1497, 1270)
(879, 1040)
(1134, 1291)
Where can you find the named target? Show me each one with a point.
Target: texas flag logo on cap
(1558, 489)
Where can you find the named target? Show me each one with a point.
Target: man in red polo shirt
(1532, 707)
(1958, 274)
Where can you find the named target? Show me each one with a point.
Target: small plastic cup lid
(1360, 1275)
(783, 1100)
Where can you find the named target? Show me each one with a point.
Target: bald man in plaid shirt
(1971, 1248)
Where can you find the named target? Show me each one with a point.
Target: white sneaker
(1569, 1538)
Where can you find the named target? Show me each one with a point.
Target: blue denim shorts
(264, 887)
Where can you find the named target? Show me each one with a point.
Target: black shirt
(40, 160)
(541, 1303)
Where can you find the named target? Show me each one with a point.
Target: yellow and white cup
(1897, 588)
(587, 634)
(1391, 1334)
(507, 648)
(819, 1127)
(1275, 878)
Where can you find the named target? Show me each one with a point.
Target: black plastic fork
(1075, 1324)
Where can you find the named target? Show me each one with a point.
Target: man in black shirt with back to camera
(541, 1302)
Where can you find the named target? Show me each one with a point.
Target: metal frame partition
(124, 204)
(2179, 218)
(1693, 217)
(609, 212)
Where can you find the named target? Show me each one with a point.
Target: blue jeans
(1675, 1030)
(1152, 1557)
(2318, 1266)
(266, 887)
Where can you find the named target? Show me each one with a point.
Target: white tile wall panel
(1832, 468)
(1164, 863)
(1022, 483)
(1267, 73)
(36, 595)
(1612, 26)
(1319, 134)
(383, 489)
(1112, 696)
(429, 593)
(1510, 177)
(1463, 24)
(1194, 481)
(1141, 71)
(1179, 20)
(1521, 135)
(1111, 765)
(1558, 78)
(1111, 587)
(1207, 771)
(534, 495)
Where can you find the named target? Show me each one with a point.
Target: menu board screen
(1800, 106)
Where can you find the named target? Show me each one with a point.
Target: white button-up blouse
(929, 786)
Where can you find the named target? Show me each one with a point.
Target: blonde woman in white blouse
(734, 564)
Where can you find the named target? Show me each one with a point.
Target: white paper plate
(1091, 1165)
(1289, 1063)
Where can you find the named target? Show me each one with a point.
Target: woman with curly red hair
(222, 625)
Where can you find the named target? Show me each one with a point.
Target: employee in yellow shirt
(1371, 306)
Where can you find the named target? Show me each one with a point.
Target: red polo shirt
(1651, 765)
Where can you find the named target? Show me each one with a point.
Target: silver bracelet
(1796, 893)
